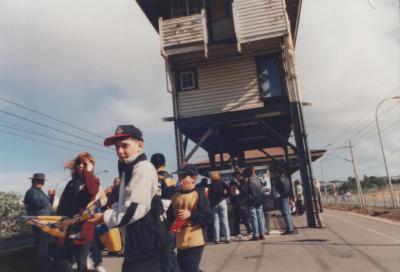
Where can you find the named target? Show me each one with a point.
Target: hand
(89, 166)
(108, 190)
(184, 214)
(97, 219)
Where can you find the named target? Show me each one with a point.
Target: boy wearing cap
(191, 206)
(139, 208)
(38, 203)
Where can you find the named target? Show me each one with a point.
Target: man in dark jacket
(252, 196)
(38, 203)
(166, 185)
(235, 188)
(282, 190)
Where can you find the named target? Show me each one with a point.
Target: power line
(351, 127)
(49, 127)
(385, 128)
(52, 118)
(369, 126)
(50, 144)
(51, 137)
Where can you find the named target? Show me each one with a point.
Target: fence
(376, 198)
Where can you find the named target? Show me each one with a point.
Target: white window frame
(181, 74)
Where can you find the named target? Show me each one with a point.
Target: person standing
(298, 190)
(235, 199)
(217, 194)
(190, 212)
(38, 203)
(139, 207)
(167, 185)
(78, 193)
(252, 195)
(282, 190)
(317, 188)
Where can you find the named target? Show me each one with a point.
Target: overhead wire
(49, 127)
(47, 143)
(50, 117)
(355, 125)
(51, 137)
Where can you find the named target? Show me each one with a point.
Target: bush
(11, 210)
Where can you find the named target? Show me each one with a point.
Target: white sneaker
(100, 268)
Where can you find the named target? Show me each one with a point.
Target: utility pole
(360, 193)
(392, 194)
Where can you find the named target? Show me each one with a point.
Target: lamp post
(393, 196)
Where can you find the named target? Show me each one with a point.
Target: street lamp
(393, 196)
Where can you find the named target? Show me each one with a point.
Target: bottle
(177, 225)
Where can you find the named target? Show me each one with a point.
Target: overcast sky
(97, 64)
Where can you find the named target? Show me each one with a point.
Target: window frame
(179, 80)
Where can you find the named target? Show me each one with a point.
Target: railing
(184, 32)
(378, 199)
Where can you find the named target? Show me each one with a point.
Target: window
(185, 7)
(187, 80)
(270, 76)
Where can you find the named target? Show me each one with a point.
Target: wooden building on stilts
(232, 75)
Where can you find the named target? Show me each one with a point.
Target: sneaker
(287, 233)
(262, 237)
(227, 241)
(239, 237)
(100, 268)
(254, 238)
(216, 242)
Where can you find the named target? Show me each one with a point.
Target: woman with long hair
(78, 193)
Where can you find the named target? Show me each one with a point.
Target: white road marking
(366, 228)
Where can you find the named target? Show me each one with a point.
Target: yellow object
(112, 240)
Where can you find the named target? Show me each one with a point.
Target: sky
(97, 64)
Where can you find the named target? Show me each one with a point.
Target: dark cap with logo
(38, 177)
(188, 169)
(122, 132)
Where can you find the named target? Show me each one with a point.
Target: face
(38, 184)
(82, 165)
(187, 182)
(128, 147)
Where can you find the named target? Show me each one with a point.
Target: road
(348, 243)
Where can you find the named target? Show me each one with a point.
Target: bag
(112, 240)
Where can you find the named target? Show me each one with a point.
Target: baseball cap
(124, 131)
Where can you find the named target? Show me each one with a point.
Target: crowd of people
(165, 224)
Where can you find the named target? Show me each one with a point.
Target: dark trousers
(151, 265)
(299, 207)
(42, 259)
(189, 259)
(168, 260)
(70, 253)
(240, 215)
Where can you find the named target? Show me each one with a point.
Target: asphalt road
(348, 243)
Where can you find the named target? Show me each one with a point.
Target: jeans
(96, 248)
(239, 213)
(257, 220)
(284, 207)
(168, 262)
(189, 259)
(220, 213)
(42, 259)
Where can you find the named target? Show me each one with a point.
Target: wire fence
(373, 198)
